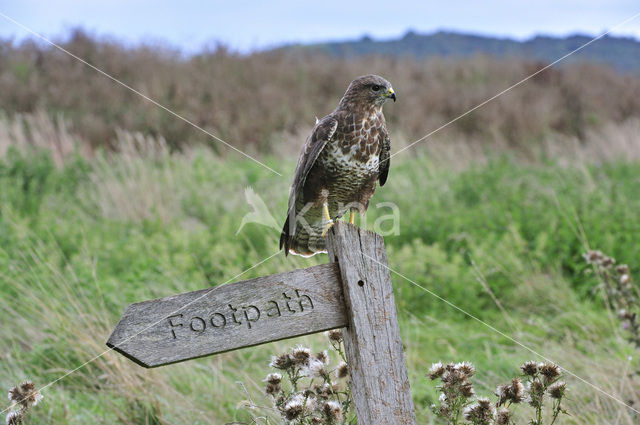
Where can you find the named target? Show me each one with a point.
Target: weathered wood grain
(241, 314)
(373, 346)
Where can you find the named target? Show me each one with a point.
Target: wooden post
(353, 291)
(373, 345)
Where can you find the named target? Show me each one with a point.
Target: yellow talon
(352, 217)
(327, 219)
(327, 226)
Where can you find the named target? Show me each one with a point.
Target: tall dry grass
(38, 130)
(56, 134)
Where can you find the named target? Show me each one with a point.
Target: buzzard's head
(369, 90)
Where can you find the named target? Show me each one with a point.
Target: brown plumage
(346, 152)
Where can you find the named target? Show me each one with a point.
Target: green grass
(78, 244)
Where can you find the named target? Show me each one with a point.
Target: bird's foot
(352, 217)
(327, 226)
(327, 218)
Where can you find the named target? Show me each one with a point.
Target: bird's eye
(375, 87)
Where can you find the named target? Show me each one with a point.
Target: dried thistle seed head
(515, 391)
(317, 421)
(436, 370)
(465, 368)
(15, 395)
(26, 394)
(466, 389)
(343, 370)
(14, 417)
(453, 378)
(311, 402)
(294, 407)
(323, 356)
(314, 368)
(282, 362)
(333, 411)
(335, 335)
(607, 262)
(323, 391)
(550, 371)
(484, 402)
(444, 410)
(535, 387)
(272, 389)
(501, 393)
(593, 257)
(622, 269)
(557, 390)
(292, 411)
(529, 368)
(503, 416)
(273, 378)
(534, 393)
(625, 279)
(481, 412)
(300, 355)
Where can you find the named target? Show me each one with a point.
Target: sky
(249, 25)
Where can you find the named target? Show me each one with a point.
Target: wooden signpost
(353, 292)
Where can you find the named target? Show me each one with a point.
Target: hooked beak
(391, 94)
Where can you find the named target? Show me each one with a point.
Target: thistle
(335, 335)
(511, 393)
(456, 389)
(435, 371)
(301, 355)
(503, 416)
(283, 361)
(333, 411)
(529, 368)
(273, 386)
(342, 370)
(620, 293)
(549, 371)
(480, 413)
(24, 397)
(294, 407)
(556, 391)
(309, 390)
(457, 401)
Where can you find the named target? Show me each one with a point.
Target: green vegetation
(502, 241)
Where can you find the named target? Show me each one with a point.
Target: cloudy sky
(246, 25)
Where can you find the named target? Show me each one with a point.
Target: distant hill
(623, 53)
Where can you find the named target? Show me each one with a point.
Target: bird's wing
(322, 132)
(385, 160)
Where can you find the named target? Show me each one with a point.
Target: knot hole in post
(361, 283)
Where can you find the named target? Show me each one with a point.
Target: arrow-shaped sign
(241, 314)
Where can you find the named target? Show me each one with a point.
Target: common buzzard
(347, 151)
